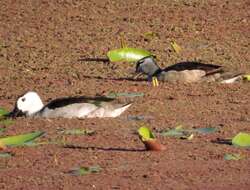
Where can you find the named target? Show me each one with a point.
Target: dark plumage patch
(15, 113)
(61, 102)
(139, 62)
(192, 65)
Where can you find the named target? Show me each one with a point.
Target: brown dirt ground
(40, 43)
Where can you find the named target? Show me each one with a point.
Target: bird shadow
(114, 79)
(109, 149)
(95, 59)
(222, 141)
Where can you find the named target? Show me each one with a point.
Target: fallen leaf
(246, 77)
(150, 35)
(145, 134)
(180, 132)
(125, 94)
(127, 54)
(2, 146)
(6, 122)
(233, 157)
(176, 132)
(3, 111)
(149, 140)
(241, 140)
(77, 132)
(205, 130)
(84, 170)
(20, 139)
(5, 155)
(2, 130)
(175, 47)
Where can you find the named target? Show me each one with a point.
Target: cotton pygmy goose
(186, 72)
(31, 105)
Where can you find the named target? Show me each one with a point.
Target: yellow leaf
(2, 146)
(150, 35)
(246, 77)
(145, 134)
(176, 47)
(122, 41)
(190, 137)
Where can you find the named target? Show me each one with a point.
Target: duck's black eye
(23, 99)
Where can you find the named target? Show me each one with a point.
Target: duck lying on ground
(31, 105)
(186, 72)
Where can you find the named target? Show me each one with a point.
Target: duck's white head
(28, 104)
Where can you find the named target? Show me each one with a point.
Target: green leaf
(20, 139)
(2, 130)
(176, 132)
(33, 144)
(145, 134)
(246, 77)
(84, 170)
(3, 112)
(127, 54)
(3, 121)
(78, 132)
(242, 140)
(206, 130)
(125, 94)
(6, 122)
(173, 133)
(5, 155)
(232, 157)
(150, 35)
(184, 133)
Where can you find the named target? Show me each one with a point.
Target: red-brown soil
(40, 44)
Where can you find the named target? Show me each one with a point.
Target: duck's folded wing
(208, 68)
(62, 102)
(75, 110)
(182, 76)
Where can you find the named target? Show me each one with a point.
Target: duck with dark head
(186, 72)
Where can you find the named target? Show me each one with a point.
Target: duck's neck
(155, 73)
(154, 70)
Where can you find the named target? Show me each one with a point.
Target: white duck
(31, 105)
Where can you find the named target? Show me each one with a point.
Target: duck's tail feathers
(232, 77)
(119, 110)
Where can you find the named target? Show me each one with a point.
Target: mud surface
(40, 44)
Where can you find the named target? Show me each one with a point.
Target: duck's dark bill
(15, 113)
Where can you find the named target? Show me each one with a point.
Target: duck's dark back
(192, 65)
(61, 102)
